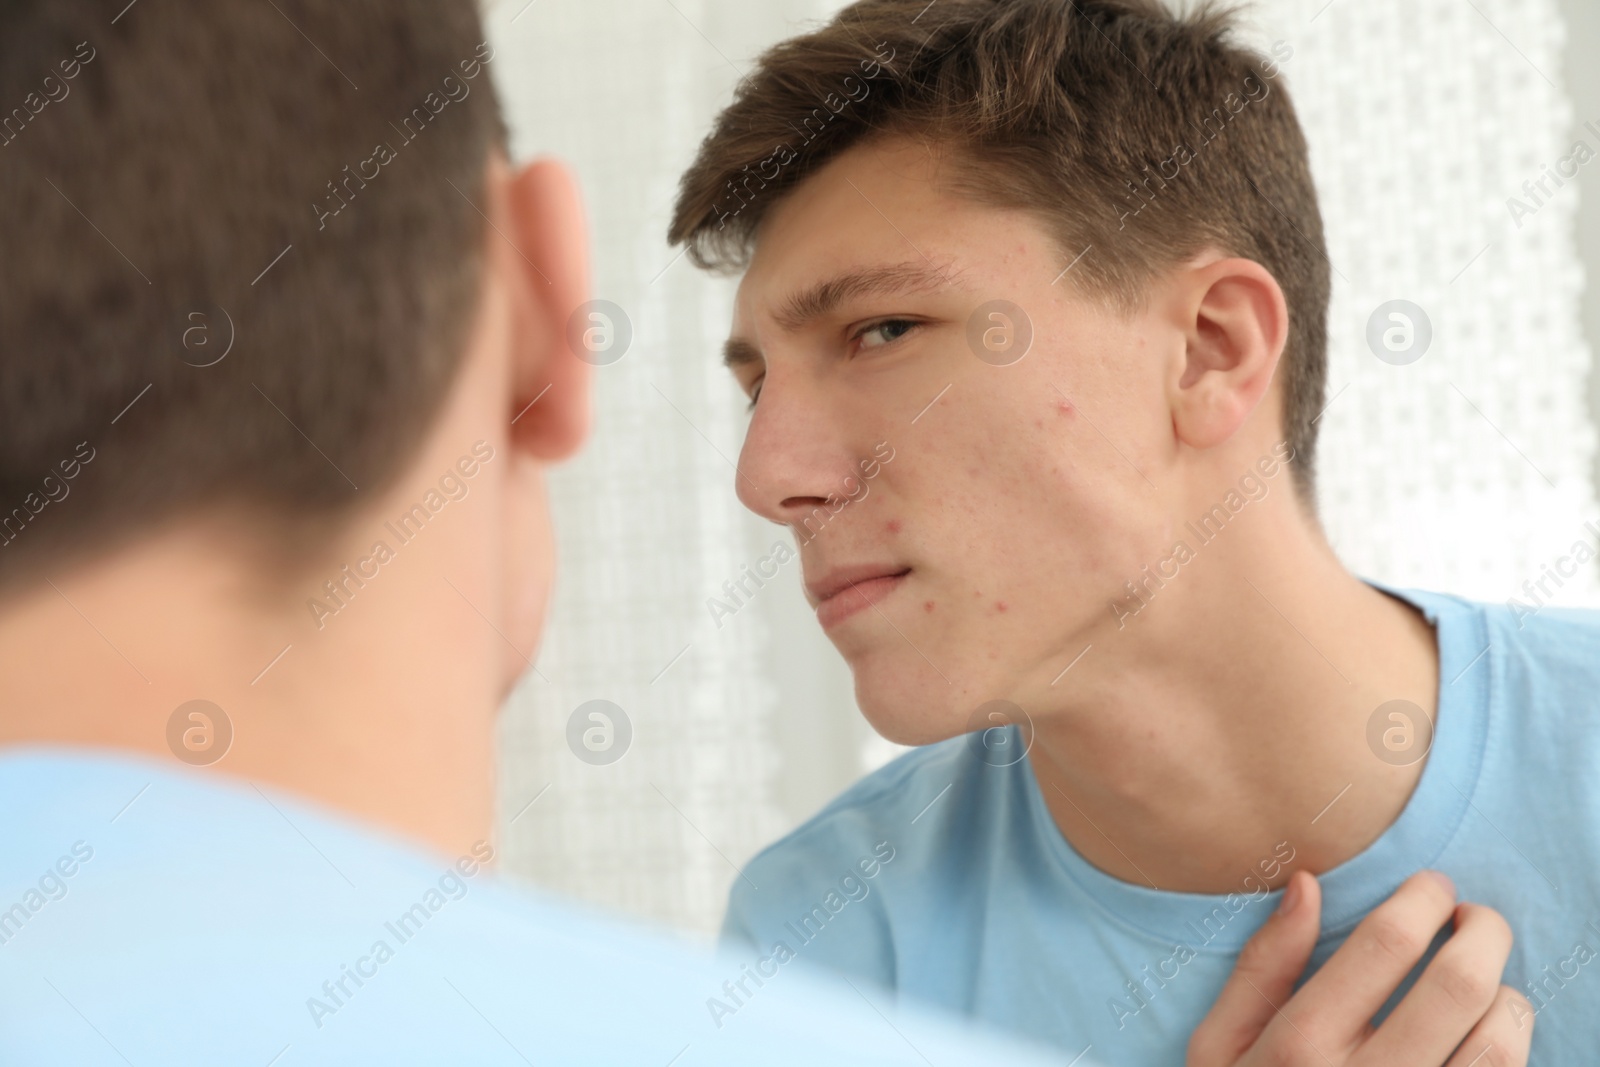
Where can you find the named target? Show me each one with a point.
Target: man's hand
(1458, 1014)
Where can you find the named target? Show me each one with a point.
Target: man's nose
(795, 456)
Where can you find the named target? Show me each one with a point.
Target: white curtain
(1466, 470)
(647, 523)
(1470, 469)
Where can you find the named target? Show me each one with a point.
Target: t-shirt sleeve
(738, 929)
(817, 899)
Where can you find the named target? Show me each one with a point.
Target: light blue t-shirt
(157, 916)
(986, 908)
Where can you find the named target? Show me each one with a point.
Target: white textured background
(1472, 468)
(1467, 470)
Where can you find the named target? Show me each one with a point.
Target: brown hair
(188, 176)
(1138, 134)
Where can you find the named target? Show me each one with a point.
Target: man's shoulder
(825, 891)
(880, 805)
(154, 822)
(166, 865)
(197, 920)
(881, 848)
(1545, 650)
(1530, 639)
(1533, 673)
(1560, 637)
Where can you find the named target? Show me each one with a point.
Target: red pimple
(1000, 605)
(894, 526)
(927, 605)
(1064, 406)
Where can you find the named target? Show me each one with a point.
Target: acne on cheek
(1063, 409)
(893, 526)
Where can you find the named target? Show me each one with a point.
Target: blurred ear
(550, 271)
(1235, 321)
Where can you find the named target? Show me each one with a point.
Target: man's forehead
(855, 208)
(876, 219)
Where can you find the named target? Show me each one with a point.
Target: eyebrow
(737, 352)
(817, 300)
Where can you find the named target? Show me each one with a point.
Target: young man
(284, 364)
(1063, 263)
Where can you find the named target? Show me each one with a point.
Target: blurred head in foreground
(284, 360)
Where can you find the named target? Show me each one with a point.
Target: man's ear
(550, 387)
(1235, 321)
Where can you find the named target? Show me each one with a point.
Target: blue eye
(884, 332)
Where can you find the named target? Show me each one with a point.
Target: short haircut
(180, 177)
(1133, 133)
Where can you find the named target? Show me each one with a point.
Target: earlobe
(1236, 323)
(550, 267)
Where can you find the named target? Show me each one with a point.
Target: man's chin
(908, 713)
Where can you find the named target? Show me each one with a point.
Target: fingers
(1258, 1017)
(1334, 1009)
(1263, 979)
(1455, 991)
(1502, 1037)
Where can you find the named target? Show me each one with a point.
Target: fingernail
(1291, 896)
(1444, 880)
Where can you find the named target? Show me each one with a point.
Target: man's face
(963, 522)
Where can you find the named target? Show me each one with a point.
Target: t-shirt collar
(1415, 840)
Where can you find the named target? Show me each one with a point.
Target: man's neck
(1231, 717)
(359, 716)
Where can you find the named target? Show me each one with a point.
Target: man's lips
(844, 591)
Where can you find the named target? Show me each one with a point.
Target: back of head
(242, 250)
